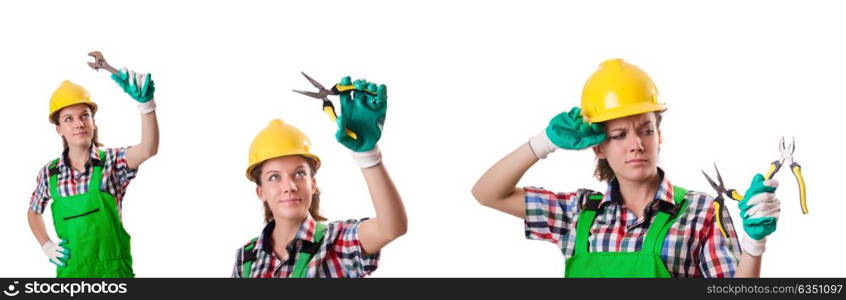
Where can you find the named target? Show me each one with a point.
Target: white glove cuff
(541, 145)
(753, 247)
(147, 107)
(368, 159)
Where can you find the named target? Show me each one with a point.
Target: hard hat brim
(627, 110)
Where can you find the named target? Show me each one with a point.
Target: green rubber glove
(568, 130)
(56, 254)
(363, 114)
(130, 81)
(758, 226)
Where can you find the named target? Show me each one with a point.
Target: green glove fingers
(145, 85)
(129, 84)
(63, 260)
(121, 78)
(360, 85)
(578, 121)
(362, 113)
(575, 113)
(761, 227)
(593, 129)
(380, 98)
(346, 100)
(756, 187)
(60, 265)
(147, 90)
(382, 93)
(593, 139)
(345, 96)
(584, 128)
(568, 130)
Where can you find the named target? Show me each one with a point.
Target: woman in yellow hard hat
(294, 241)
(642, 226)
(87, 184)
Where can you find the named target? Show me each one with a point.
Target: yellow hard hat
(618, 89)
(276, 140)
(69, 94)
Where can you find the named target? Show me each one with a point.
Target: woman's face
(76, 125)
(287, 187)
(632, 146)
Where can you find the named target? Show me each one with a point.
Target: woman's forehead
(75, 109)
(283, 163)
(631, 121)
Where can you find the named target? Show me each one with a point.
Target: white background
(468, 82)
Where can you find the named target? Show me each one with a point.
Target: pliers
(786, 152)
(328, 107)
(719, 202)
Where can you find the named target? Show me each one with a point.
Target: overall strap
(54, 179)
(97, 173)
(249, 258)
(667, 214)
(308, 251)
(585, 221)
(250, 254)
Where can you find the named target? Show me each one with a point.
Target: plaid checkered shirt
(116, 178)
(694, 246)
(339, 255)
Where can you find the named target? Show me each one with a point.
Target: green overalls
(301, 264)
(645, 263)
(98, 243)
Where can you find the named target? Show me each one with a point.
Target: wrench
(100, 63)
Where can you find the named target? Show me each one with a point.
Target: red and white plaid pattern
(116, 178)
(694, 246)
(339, 256)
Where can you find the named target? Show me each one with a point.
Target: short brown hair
(603, 170)
(313, 209)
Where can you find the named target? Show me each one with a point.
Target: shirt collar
(305, 233)
(93, 156)
(664, 192)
